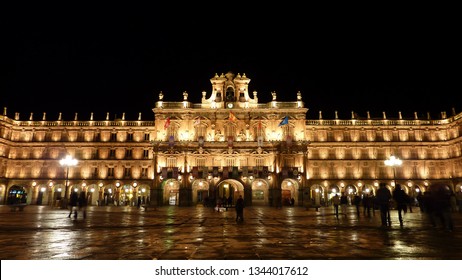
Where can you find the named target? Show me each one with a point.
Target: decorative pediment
(201, 151)
(230, 151)
(273, 116)
(171, 151)
(259, 151)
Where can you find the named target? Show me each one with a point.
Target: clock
(230, 105)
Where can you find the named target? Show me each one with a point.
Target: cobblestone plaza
(199, 233)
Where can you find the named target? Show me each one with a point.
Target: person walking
(401, 199)
(336, 203)
(230, 200)
(367, 204)
(382, 197)
(73, 202)
(240, 209)
(442, 207)
(139, 202)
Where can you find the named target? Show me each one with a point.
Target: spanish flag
(167, 123)
(232, 117)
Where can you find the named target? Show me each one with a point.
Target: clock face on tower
(230, 105)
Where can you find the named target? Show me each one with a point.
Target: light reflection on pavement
(172, 233)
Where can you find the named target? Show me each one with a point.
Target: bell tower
(229, 91)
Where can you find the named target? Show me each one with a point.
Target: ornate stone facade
(227, 145)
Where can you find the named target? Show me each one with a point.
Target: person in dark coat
(139, 202)
(240, 209)
(382, 198)
(336, 203)
(442, 207)
(401, 199)
(367, 204)
(73, 203)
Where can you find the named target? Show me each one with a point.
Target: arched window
(16, 195)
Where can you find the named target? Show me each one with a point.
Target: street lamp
(67, 162)
(393, 162)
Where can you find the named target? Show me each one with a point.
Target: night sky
(62, 62)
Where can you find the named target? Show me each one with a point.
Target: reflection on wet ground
(172, 233)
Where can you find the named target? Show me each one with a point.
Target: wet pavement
(199, 233)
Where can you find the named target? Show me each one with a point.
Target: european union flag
(284, 121)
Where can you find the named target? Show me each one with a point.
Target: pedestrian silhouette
(382, 198)
(73, 203)
(240, 209)
(230, 200)
(336, 203)
(442, 206)
(83, 204)
(367, 204)
(401, 199)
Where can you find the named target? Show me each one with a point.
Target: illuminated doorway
(289, 192)
(171, 192)
(260, 191)
(200, 191)
(231, 190)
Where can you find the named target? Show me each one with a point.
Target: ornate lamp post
(393, 162)
(67, 162)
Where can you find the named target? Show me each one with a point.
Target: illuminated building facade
(227, 145)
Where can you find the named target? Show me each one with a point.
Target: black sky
(112, 62)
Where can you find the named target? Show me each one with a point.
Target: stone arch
(260, 192)
(200, 191)
(127, 195)
(42, 193)
(368, 189)
(418, 189)
(171, 194)
(317, 194)
(16, 195)
(289, 189)
(231, 187)
(58, 191)
(407, 189)
(458, 187)
(350, 191)
(144, 191)
(109, 195)
(92, 194)
(332, 191)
